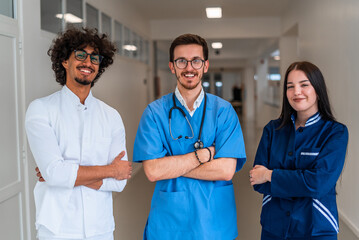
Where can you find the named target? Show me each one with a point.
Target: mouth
(189, 75)
(298, 99)
(85, 70)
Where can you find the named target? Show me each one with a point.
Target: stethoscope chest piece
(198, 144)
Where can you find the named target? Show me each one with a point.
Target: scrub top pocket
(170, 212)
(223, 202)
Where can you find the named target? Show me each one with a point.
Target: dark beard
(184, 86)
(188, 88)
(83, 82)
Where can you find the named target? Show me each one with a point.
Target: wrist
(268, 175)
(197, 157)
(110, 171)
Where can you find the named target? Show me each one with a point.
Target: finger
(121, 155)
(38, 174)
(37, 169)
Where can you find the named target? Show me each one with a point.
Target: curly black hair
(73, 39)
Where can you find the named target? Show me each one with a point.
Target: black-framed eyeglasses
(81, 55)
(181, 63)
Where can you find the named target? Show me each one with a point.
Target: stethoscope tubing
(198, 143)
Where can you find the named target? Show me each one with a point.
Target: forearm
(95, 185)
(174, 166)
(221, 169)
(169, 167)
(89, 175)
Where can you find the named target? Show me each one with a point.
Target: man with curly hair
(78, 143)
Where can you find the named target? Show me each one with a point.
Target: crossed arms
(187, 165)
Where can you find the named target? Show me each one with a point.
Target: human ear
(170, 64)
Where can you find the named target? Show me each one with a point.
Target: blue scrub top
(300, 201)
(185, 208)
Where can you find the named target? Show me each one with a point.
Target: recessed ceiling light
(217, 45)
(69, 18)
(214, 12)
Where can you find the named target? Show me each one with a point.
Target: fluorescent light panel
(214, 12)
(70, 18)
(217, 45)
(131, 48)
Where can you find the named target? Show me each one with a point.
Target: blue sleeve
(262, 157)
(229, 138)
(319, 180)
(148, 143)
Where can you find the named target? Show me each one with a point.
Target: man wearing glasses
(191, 144)
(78, 143)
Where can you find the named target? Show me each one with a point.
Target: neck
(81, 91)
(190, 96)
(301, 119)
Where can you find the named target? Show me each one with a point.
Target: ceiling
(233, 49)
(181, 9)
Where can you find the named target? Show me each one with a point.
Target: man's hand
(122, 169)
(38, 174)
(204, 155)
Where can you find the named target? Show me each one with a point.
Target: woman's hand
(260, 174)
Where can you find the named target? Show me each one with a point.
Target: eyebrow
(306, 80)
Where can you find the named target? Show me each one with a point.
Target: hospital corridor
(251, 43)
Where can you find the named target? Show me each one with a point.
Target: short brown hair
(187, 39)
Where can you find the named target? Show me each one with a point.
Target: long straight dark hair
(316, 78)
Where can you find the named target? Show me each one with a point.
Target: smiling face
(80, 73)
(301, 94)
(188, 78)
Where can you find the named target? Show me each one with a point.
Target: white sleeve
(118, 145)
(45, 149)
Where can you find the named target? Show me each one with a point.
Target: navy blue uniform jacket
(300, 201)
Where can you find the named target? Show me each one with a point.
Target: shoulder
(273, 124)
(217, 101)
(41, 105)
(160, 105)
(336, 128)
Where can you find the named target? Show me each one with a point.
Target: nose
(189, 66)
(297, 90)
(87, 61)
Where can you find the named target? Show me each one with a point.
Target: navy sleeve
(262, 157)
(319, 180)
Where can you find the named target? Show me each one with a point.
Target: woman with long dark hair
(299, 160)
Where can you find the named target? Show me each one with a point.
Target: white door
(13, 207)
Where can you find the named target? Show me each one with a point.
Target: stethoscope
(198, 144)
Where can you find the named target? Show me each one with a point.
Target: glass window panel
(118, 37)
(7, 8)
(140, 49)
(106, 24)
(147, 52)
(91, 17)
(49, 10)
(135, 44)
(127, 42)
(74, 16)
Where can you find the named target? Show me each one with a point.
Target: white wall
(328, 36)
(121, 86)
